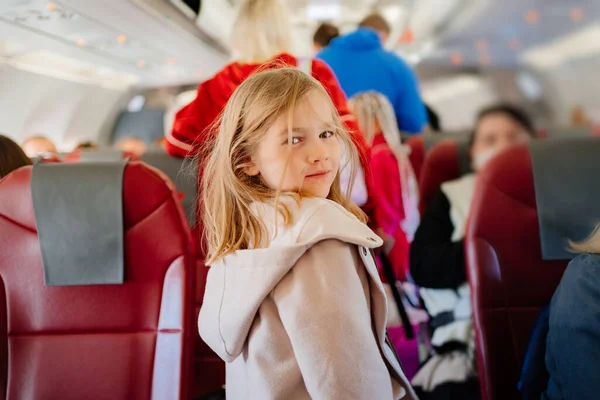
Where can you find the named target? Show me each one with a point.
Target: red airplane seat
(119, 341)
(441, 164)
(417, 154)
(514, 269)
(209, 370)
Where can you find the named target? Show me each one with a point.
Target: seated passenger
(11, 156)
(573, 341)
(39, 146)
(437, 262)
(394, 187)
(324, 34)
(131, 145)
(436, 256)
(86, 146)
(261, 38)
(293, 303)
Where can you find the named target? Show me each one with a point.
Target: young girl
(394, 187)
(293, 300)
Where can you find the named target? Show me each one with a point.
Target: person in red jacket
(261, 38)
(393, 186)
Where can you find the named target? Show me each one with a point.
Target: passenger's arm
(191, 124)
(573, 343)
(409, 107)
(435, 260)
(327, 318)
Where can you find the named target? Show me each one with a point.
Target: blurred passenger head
(279, 133)
(324, 34)
(261, 31)
(39, 146)
(131, 145)
(375, 114)
(433, 119)
(86, 146)
(159, 143)
(378, 23)
(579, 117)
(497, 128)
(11, 156)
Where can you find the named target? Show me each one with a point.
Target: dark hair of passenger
(11, 156)
(515, 113)
(433, 119)
(377, 22)
(87, 146)
(325, 33)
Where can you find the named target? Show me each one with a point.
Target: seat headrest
(100, 156)
(79, 216)
(462, 144)
(183, 173)
(566, 174)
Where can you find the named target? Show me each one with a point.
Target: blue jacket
(361, 64)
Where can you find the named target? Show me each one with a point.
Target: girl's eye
(294, 140)
(326, 135)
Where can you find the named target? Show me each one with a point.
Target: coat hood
(237, 284)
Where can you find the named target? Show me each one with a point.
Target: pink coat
(386, 193)
(306, 316)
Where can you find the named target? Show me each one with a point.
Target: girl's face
(495, 132)
(314, 155)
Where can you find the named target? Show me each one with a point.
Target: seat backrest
(183, 173)
(570, 132)
(119, 341)
(447, 160)
(510, 277)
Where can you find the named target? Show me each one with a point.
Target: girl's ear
(250, 168)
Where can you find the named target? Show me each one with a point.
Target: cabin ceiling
(150, 43)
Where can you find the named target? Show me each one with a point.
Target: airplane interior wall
(576, 84)
(67, 112)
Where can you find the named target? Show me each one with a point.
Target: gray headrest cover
(79, 217)
(567, 190)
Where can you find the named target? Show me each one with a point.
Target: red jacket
(191, 122)
(386, 195)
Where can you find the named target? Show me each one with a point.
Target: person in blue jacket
(573, 342)
(362, 64)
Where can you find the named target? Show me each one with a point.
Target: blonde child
(394, 187)
(293, 300)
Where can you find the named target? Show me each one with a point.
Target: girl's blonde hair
(590, 245)
(375, 114)
(227, 191)
(260, 31)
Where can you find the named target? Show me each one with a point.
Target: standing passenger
(324, 34)
(293, 302)
(394, 187)
(361, 64)
(261, 35)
